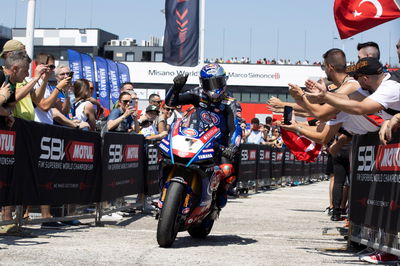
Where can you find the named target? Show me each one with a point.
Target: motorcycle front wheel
(168, 223)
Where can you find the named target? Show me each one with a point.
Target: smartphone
(71, 74)
(287, 115)
(132, 103)
(6, 80)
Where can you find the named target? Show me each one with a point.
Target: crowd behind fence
(46, 164)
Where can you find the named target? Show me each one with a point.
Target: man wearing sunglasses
(212, 95)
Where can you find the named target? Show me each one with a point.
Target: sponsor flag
(113, 79)
(355, 16)
(88, 69)
(181, 36)
(123, 72)
(75, 64)
(302, 148)
(102, 81)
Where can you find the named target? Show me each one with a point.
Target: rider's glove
(230, 152)
(179, 82)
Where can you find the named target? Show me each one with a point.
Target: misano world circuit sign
(239, 74)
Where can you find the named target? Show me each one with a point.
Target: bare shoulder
(349, 87)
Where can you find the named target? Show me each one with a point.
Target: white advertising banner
(239, 74)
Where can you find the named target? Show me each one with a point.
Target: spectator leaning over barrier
(254, 136)
(123, 118)
(84, 110)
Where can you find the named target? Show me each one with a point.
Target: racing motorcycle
(190, 177)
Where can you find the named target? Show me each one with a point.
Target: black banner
(181, 36)
(276, 165)
(264, 165)
(123, 168)
(55, 165)
(375, 187)
(7, 163)
(152, 175)
(248, 163)
(288, 161)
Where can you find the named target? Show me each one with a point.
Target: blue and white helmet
(213, 80)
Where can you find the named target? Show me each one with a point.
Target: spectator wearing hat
(149, 124)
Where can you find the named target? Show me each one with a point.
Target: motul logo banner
(80, 151)
(388, 157)
(7, 142)
(181, 37)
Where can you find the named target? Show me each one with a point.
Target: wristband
(303, 94)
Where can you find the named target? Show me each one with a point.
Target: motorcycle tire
(168, 224)
(202, 229)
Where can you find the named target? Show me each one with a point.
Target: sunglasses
(52, 67)
(169, 109)
(398, 46)
(126, 101)
(157, 101)
(323, 67)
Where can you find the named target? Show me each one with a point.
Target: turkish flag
(355, 16)
(302, 148)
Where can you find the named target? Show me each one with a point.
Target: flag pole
(202, 18)
(30, 27)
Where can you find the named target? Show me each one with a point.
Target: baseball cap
(153, 108)
(12, 45)
(365, 66)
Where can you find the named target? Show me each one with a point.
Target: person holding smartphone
(123, 118)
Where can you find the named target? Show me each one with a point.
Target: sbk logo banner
(375, 184)
(123, 168)
(249, 156)
(7, 164)
(57, 165)
(264, 165)
(153, 173)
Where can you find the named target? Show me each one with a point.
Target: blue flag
(75, 64)
(103, 84)
(123, 72)
(88, 70)
(113, 80)
(181, 36)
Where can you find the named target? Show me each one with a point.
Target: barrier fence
(375, 193)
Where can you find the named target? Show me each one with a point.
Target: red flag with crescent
(302, 148)
(355, 16)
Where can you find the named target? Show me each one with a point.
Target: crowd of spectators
(70, 104)
(265, 61)
(357, 100)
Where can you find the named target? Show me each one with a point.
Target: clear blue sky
(306, 28)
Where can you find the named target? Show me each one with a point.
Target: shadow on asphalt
(217, 241)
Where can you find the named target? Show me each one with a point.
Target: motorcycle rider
(212, 95)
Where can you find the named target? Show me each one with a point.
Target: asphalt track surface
(285, 226)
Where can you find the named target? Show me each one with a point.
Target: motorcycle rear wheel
(168, 224)
(202, 229)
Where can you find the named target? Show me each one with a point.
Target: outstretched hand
(275, 102)
(316, 91)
